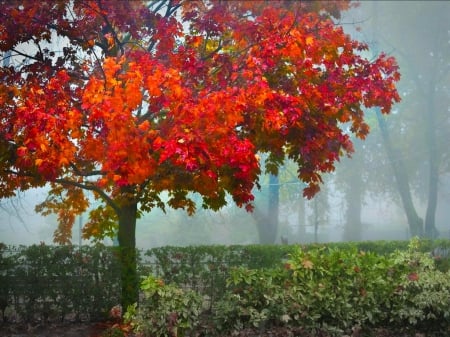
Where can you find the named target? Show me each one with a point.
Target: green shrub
(340, 288)
(422, 298)
(6, 281)
(47, 283)
(165, 310)
(254, 298)
(331, 290)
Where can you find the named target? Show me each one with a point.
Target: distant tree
(423, 118)
(146, 99)
(354, 190)
(401, 178)
(266, 214)
(13, 208)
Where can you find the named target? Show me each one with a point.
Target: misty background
(398, 175)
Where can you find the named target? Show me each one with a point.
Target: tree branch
(88, 187)
(80, 173)
(91, 187)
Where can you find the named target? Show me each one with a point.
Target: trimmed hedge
(43, 282)
(49, 283)
(319, 290)
(205, 268)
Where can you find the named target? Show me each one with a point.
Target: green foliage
(422, 298)
(326, 288)
(254, 298)
(165, 309)
(323, 288)
(332, 290)
(6, 283)
(205, 268)
(341, 287)
(47, 283)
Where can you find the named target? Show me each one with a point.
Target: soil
(96, 329)
(53, 330)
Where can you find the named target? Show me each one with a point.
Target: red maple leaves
(143, 101)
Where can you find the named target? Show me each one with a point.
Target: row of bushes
(319, 290)
(45, 283)
(205, 268)
(61, 282)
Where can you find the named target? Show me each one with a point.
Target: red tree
(178, 97)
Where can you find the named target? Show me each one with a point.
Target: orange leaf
(308, 264)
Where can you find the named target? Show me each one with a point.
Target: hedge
(49, 283)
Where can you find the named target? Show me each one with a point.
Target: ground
(96, 330)
(53, 330)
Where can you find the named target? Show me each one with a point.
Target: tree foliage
(140, 98)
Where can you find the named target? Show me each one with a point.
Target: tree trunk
(352, 230)
(127, 253)
(274, 206)
(265, 228)
(433, 178)
(316, 220)
(301, 219)
(267, 222)
(401, 177)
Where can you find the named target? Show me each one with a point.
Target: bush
(255, 298)
(216, 289)
(47, 283)
(332, 290)
(165, 310)
(422, 298)
(341, 288)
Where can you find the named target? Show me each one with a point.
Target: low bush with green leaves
(255, 298)
(422, 297)
(48, 283)
(323, 288)
(341, 288)
(165, 310)
(333, 290)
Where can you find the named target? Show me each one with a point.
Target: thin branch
(25, 55)
(158, 8)
(62, 181)
(113, 32)
(171, 9)
(91, 187)
(92, 49)
(80, 173)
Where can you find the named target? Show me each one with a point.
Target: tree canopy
(130, 99)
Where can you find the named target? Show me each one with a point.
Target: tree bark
(301, 219)
(352, 230)
(267, 221)
(433, 174)
(127, 253)
(401, 178)
(274, 206)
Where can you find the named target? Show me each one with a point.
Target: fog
(363, 199)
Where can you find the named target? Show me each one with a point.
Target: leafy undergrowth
(328, 292)
(323, 292)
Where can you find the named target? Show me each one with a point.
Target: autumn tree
(146, 104)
